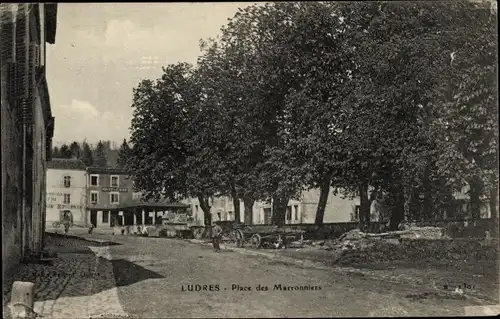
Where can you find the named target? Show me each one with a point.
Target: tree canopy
(382, 100)
(99, 156)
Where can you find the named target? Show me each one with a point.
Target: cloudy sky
(102, 51)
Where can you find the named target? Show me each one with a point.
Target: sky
(103, 51)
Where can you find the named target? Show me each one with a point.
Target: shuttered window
(67, 181)
(7, 51)
(22, 65)
(7, 38)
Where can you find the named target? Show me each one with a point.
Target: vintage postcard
(249, 159)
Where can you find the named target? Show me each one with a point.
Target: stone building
(112, 203)
(109, 190)
(301, 211)
(338, 209)
(66, 191)
(27, 125)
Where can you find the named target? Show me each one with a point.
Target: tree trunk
(279, 211)
(236, 204)
(248, 207)
(397, 207)
(207, 216)
(323, 199)
(427, 208)
(415, 208)
(475, 197)
(494, 199)
(364, 206)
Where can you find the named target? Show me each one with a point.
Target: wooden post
(21, 300)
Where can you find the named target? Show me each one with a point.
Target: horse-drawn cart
(257, 236)
(265, 236)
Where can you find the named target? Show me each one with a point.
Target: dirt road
(172, 278)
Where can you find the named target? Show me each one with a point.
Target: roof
(150, 204)
(51, 22)
(47, 110)
(153, 203)
(162, 202)
(65, 163)
(106, 170)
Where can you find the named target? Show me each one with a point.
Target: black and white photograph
(250, 159)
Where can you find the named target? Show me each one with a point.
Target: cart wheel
(256, 241)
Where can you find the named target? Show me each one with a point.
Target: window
(296, 207)
(94, 180)
(196, 208)
(114, 181)
(94, 197)
(288, 213)
(114, 198)
(105, 216)
(67, 181)
(67, 199)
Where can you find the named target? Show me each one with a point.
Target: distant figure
(66, 222)
(216, 236)
(91, 228)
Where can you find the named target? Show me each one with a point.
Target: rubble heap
(358, 240)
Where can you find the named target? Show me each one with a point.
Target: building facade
(462, 209)
(27, 125)
(66, 191)
(302, 211)
(112, 203)
(339, 209)
(109, 192)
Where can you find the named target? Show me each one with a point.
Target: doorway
(93, 217)
(128, 217)
(267, 216)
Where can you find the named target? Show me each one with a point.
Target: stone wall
(11, 182)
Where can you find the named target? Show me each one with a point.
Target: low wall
(312, 231)
(465, 228)
(333, 230)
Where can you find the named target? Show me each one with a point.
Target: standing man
(216, 236)
(66, 222)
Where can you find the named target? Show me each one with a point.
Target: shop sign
(114, 189)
